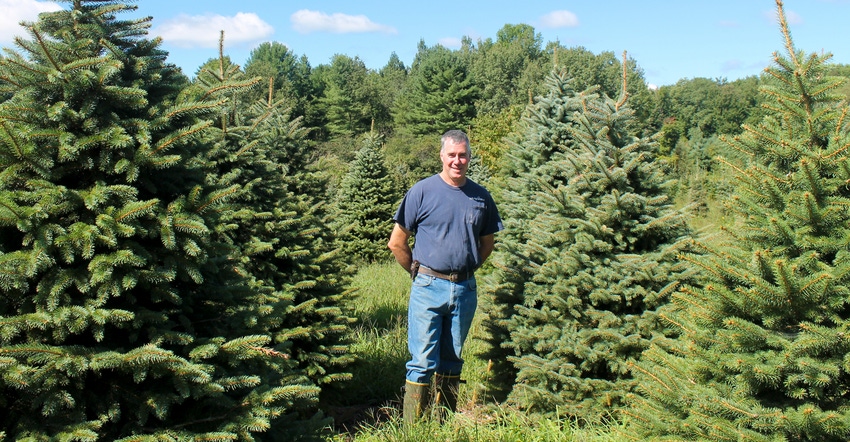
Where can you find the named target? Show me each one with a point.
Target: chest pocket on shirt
(475, 213)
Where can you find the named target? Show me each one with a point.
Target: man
(454, 221)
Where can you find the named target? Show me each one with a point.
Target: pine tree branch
(786, 33)
(136, 209)
(15, 143)
(232, 86)
(270, 352)
(9, 80)
(47, 51)
(633, 366)
(183, 134)
(195, 107)
(218, 197)
(22, 65)
(13, 210)
(625, 92)
(200, 421)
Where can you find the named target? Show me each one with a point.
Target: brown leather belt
(453, 277)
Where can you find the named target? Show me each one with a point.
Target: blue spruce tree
(763, 353)
(589, 256)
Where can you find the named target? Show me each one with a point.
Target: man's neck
(451, 182)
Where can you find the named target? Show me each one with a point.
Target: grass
(503, 426)
(368, 407)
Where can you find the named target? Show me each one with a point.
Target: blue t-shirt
(447, 222)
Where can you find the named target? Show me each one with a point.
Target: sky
(670, 40)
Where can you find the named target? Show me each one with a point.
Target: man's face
(455, 160)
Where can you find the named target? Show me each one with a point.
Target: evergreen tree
(606, 71)
(285, 247)
(589, 256)
(121, 308)
(391, 80)
(350, 97)
(291, 75)
(440, 94)
(365, 204)
(764, 353)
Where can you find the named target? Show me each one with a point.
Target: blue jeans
(439, 316)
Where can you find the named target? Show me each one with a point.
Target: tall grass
(379, 337)
(372, 398)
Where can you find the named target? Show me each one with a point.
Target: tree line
(483, 87)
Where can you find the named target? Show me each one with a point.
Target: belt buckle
(454, 277)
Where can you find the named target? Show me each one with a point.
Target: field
(371, 409)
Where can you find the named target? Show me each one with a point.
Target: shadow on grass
(379, 344)
(386, 317)
(374, 392)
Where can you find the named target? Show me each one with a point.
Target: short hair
(457, 136)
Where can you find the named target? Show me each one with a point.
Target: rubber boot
(416, 397)
(446, 390)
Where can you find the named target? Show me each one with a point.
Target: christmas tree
(763, 353)
(365, 203)
(285, 248)
(122, 307)
(589, 257)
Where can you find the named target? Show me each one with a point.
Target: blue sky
(669, 39)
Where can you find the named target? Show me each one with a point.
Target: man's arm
(400, 246)
(486, 244)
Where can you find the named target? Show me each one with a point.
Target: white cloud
(306, 21)
(203, 31)
(16, 11)
(792, 17)
(559, 19)
(451, 42)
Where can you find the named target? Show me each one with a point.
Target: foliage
(490, 134)
(350, 100)
(121, 314)
(763, 352)
(607, 72)
(364, 205)
(289, 75)
(440, 94)
(588, 258)
(296, 280)
(509, 70)
(714, 106)
(411, 158)
(389, 82)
